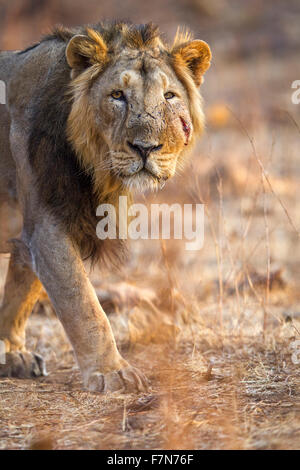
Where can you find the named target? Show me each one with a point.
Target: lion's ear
(83, 51)
(196, 56)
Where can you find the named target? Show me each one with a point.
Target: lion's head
(136, 107)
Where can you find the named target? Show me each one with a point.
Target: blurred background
(214, 329)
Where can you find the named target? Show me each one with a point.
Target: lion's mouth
(142, 171)
(144, 179)
(150, 173)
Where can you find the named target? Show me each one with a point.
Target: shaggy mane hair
(60, 115)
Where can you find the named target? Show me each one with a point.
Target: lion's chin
(142, 181)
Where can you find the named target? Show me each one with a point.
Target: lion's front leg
(62, 273)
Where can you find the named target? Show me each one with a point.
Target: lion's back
(7, 166)
(24, 77)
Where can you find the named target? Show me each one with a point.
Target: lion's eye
(169, 95)
(117, 95)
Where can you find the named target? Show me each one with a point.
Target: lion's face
(138, 108)
(141, 110)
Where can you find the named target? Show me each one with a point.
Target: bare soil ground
(214, 330)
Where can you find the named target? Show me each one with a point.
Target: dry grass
(211, 329)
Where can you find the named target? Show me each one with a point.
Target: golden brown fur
(82, 129)
(92, 113)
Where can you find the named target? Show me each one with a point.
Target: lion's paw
(129, 379)
(23, 365)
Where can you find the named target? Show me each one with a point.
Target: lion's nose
(144, 150)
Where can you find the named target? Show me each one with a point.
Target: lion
(91, 113)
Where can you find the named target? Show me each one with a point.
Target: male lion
(91, 113)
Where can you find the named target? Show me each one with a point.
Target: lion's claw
(128, 379)
(22, 365)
